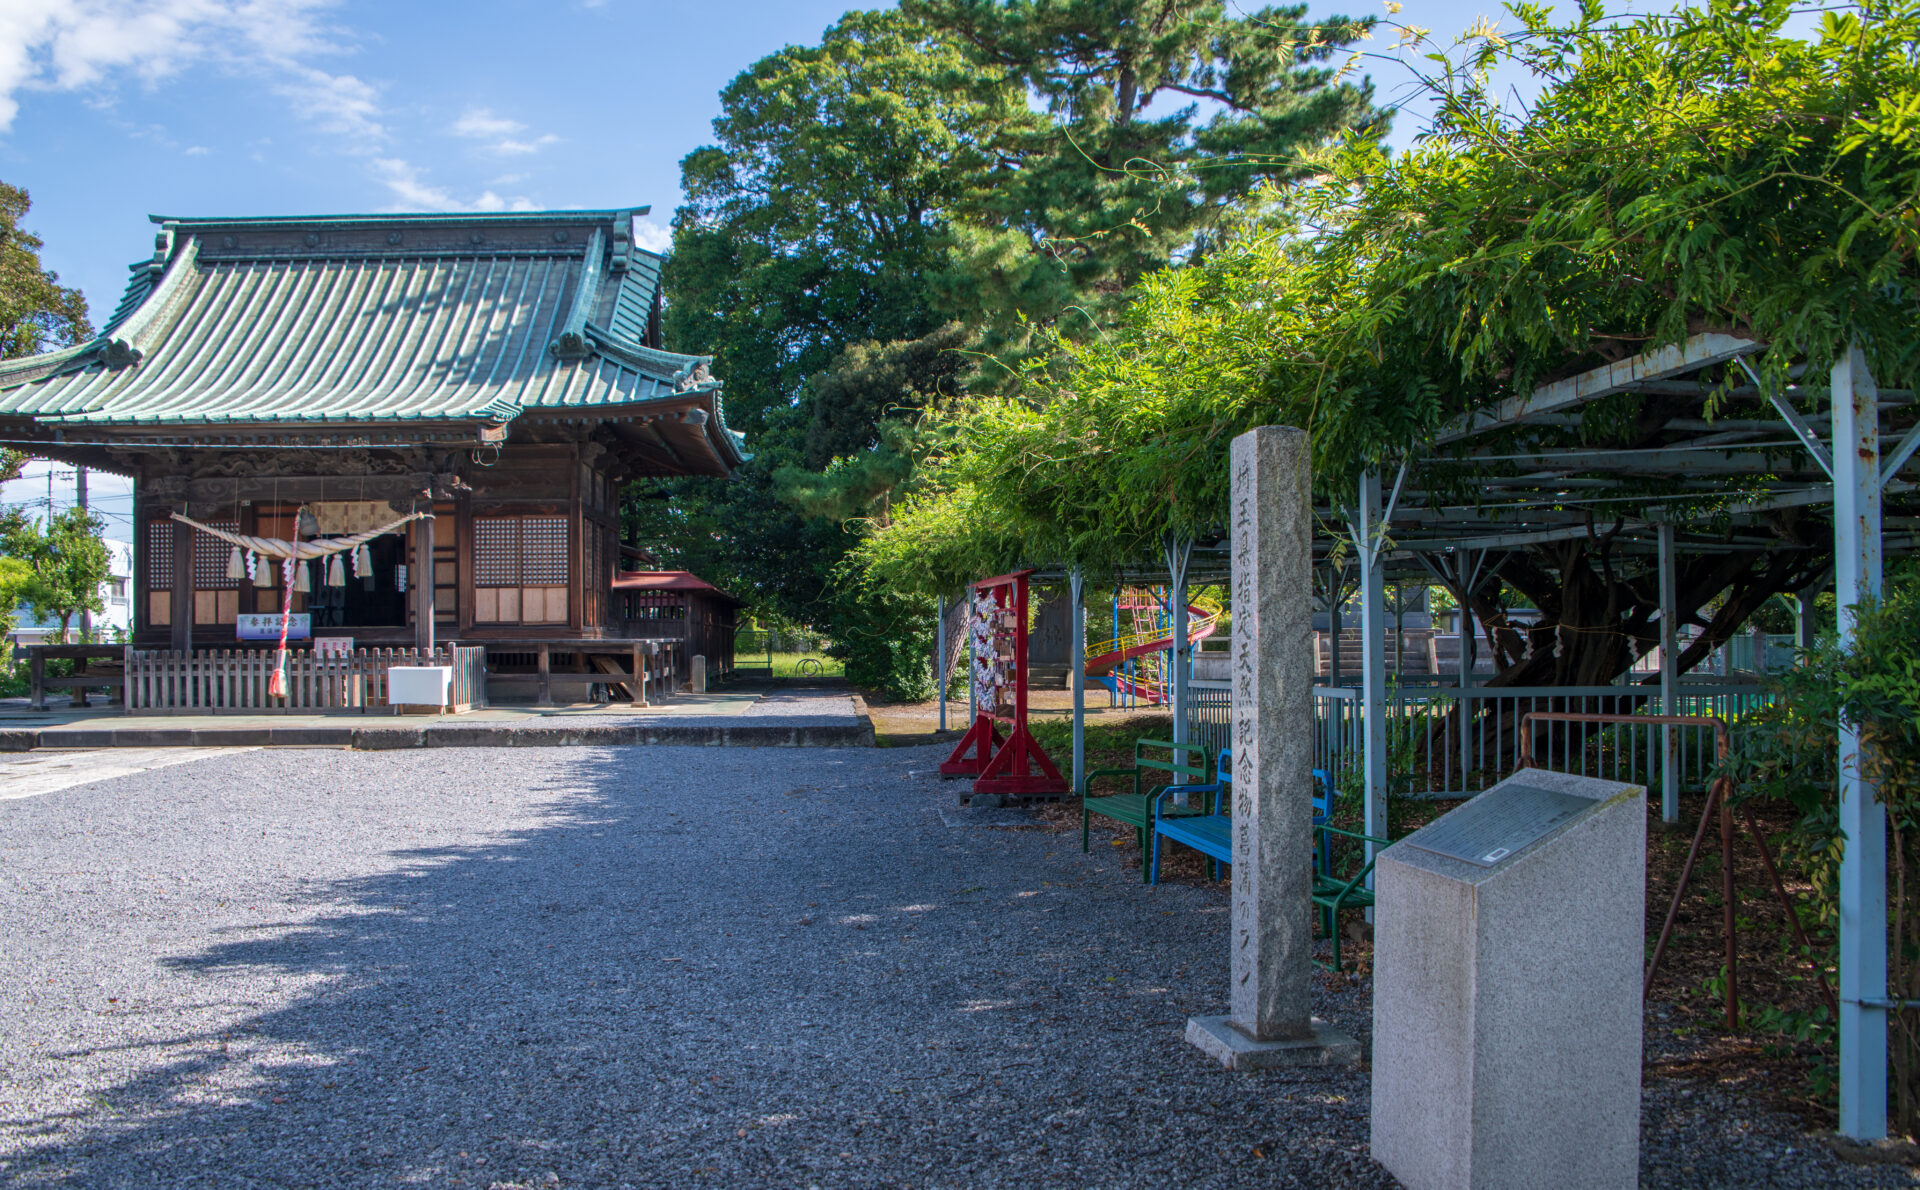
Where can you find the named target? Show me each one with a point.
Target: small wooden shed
(680, 605)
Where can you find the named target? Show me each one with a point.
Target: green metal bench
(1333, 891)
(1136, 808)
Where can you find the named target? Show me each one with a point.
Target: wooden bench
(81, 680)
(1136, 809)
(1212, 834)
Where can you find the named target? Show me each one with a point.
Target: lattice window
(496, 552)
(543, 551)
(210, 556)
(159, 555)
(528, 551)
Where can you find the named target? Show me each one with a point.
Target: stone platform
(759, 717)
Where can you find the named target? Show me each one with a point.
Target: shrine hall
(304, 378)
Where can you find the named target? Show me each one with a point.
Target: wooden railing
(579, 669)
(236, 679)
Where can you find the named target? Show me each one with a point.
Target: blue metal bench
(1212, 834)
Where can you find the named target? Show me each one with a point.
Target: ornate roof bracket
(691, 377)
(572, 343)
(622, 240)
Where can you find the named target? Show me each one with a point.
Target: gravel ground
(649, 967)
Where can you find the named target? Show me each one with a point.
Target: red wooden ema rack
(1014, 766)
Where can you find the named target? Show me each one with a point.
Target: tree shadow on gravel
(780, 971)
(787, 972)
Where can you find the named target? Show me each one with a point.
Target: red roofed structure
(664, 604)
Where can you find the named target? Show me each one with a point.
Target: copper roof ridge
(447, 218)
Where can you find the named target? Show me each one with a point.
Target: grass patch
(1109, 746)
(788, 665)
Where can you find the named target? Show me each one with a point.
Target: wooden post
(182, 588)
(639, 690)
(423, 586)
(37, 669)
(546, 678)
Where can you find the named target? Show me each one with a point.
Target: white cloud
(480, 123)
(198, 150)
(651, 236)
(409, 185)
(513, 148)
(339, 103)
(88, 45)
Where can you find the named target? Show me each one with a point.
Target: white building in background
(116, 593)
(44, 487)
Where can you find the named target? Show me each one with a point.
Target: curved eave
(491, 413)
(673, 368)
(22, 431)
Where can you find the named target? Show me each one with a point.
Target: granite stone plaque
(1499, 824)
(1508, 941)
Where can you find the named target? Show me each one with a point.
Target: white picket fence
(236, 679)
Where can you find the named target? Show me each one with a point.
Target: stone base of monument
(1227, 1045)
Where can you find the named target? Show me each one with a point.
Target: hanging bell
(262, 573)
(236, 564)
(336, 572)
(302, 579)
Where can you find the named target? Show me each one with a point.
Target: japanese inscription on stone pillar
(1272, 734)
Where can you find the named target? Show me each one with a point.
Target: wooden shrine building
(680, 605)
(503, 372)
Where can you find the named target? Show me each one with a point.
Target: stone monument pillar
(1508, 942)
(1271, 925)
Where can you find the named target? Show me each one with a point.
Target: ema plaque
(1499, 824)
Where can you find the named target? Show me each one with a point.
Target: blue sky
(111, 110)
(114, 109)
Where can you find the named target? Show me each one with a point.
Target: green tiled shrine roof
(374, 319)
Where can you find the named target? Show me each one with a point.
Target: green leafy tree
(67, 560)
(1677, 173)
(813, 222)
(37, 313)
(1117, 180)
(886, 212)
(14, 576)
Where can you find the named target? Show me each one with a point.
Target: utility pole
(80, 501)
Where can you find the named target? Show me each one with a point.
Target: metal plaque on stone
(1499, 824)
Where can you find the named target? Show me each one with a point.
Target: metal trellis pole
(1669, 681)
(1863, 820)
(1077, 674)
(1179, 552)
(1367, 532)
